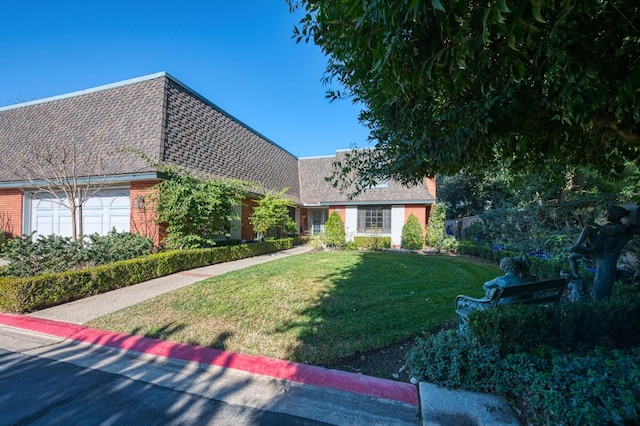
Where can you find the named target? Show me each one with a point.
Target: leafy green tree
(436, 226)
(412, 234)
(271, 213)
(469, 84)
(334, 233)
(196, 210)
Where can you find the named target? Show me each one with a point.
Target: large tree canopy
(467, 84)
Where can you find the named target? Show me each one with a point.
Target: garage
(104, 211)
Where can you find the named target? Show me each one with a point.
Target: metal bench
(535, 292)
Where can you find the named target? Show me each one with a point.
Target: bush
(453, 359)
(48, 254)
(596, 387)
(450, 244)
(412, 234)
(599, 386)
(53, 253)
(436, 226)
(372, 243)
(334, 234)
(614, 322)
(33, 293)
(117, 246)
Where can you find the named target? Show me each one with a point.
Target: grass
(311, 308)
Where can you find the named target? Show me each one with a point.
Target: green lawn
(310, 308)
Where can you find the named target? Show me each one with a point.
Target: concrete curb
(444, 407)
(300, 373)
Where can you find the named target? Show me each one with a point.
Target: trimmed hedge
(21, 295)
(372, 243)
(614, 322)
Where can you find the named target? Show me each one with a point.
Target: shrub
(412, 234)
(436, 226)
(270, 213)
(450, 244)
(453, 359)
(599, 386)
(195, 210)
(614, 322)
(317, 241)
(47, 254)
(53, 253)
(117, 246)
(334, 234)
(372, 243)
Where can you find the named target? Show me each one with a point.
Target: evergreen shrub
(436, 226)
(412, 234)
(334, 233)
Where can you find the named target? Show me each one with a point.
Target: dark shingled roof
(97, 122)
(316, 190)
(155, 115)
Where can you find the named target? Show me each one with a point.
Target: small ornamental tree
(271, 213)
(196, 210)
(334, 231)
(436, 226)
(412, 236)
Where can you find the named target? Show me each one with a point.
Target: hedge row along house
(95, 130)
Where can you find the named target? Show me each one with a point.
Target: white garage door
(106, 210)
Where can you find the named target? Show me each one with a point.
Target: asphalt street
(46, 379)
(40, 391)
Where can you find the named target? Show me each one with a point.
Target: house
(163, 120)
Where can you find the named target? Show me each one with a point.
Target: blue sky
(237, 54)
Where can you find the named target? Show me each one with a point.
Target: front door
(318, 219)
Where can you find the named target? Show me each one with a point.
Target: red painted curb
(301, 373)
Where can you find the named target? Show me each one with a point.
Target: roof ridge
(90, 90)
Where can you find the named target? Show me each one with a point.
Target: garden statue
(604, 243)
(516, 272)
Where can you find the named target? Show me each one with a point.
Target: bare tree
(66, 172)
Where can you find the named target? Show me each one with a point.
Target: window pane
(374, 219)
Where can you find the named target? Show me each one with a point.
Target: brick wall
(247, 210)
(143, 217)
(420, 211)
(11, 210)
(431, 186)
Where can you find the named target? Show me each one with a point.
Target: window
(374, 219)
(381, 184)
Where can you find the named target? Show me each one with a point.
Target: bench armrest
(473, 303)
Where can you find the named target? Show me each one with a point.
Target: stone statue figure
(603, 243)
(516, 272)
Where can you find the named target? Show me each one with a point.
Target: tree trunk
(74, 227)
(606, 265)
(605, 275)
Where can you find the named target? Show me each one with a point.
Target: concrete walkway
(84, 310)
